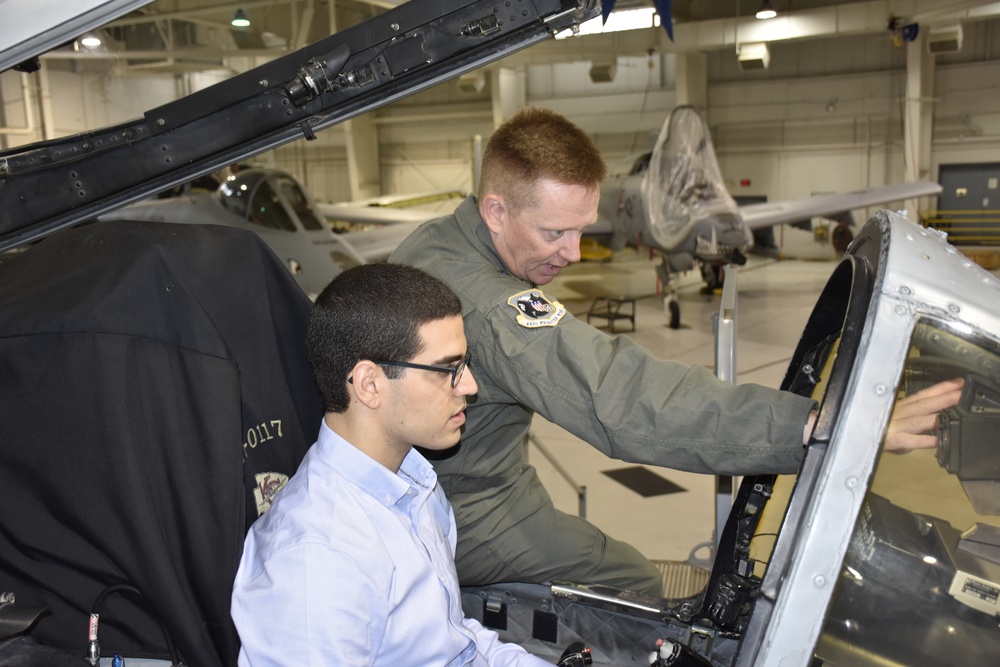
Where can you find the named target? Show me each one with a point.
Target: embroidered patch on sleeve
(535, 310)
(268, 485)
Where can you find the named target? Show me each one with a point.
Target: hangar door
(969, 206)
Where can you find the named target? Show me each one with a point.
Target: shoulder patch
(535, 310)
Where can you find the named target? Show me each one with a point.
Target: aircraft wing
(375, 245)
(393, 209)
(408, 200)
(391, 219)
(388, 226)
(373, 215)
(757, 216)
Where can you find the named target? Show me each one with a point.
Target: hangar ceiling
(192, 35)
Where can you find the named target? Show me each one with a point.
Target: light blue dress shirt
(355, 565)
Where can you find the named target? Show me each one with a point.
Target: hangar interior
(842, 103)
(849, 95)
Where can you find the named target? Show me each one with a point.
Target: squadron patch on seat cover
(268, 485)
(535, 310)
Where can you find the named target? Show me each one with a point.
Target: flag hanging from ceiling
(662, 8)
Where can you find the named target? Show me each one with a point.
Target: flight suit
(530, 355)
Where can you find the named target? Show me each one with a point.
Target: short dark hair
(374, 312)
(536, 144)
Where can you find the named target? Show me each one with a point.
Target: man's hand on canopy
(914, 420)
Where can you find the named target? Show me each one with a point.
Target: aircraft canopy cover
(154, 390)
(685, 182)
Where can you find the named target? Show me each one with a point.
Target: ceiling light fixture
(240, 19)
(766, 10)
(91, 40)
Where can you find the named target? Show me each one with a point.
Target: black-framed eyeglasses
(456, 371)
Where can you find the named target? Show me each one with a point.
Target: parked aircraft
(278, 208)
(272, 204)
(673, 199)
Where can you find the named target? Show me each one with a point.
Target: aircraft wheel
(674, 311)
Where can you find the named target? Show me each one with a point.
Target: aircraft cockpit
(270, 199)
(864, 557)
(641, 164)
(282, 212)
(886, 558)
(921, 577)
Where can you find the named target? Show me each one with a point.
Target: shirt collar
(475, 228)
(371, 476)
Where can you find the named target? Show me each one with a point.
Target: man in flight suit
(538, 192)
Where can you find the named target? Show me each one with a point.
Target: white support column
(45, 101)
(692, 79)
(364, 164)
(919, 110)
(509, 91)
(25, 125)
(301, 24)
(477, 161)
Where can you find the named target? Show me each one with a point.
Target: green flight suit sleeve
(630, 404)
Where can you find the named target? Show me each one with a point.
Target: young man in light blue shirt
(354, 562)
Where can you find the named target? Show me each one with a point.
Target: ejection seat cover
(154, 392)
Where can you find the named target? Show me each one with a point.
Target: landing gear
(711, 273)
(672, 310)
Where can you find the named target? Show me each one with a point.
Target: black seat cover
(154, 389)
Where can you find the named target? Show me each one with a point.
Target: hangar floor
(669, 515)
